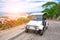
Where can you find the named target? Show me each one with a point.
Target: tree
(49, 4)
(52, 9)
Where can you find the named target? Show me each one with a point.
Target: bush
(12, 23)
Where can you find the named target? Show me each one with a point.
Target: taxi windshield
(37, 17)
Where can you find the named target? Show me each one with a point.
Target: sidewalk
(9, 33)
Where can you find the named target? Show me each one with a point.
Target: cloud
(39, 0)
(22, 5)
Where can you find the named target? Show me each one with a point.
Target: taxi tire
(26, 30)
(40, 32)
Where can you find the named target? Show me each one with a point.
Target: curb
(16, 35)
(12, 33)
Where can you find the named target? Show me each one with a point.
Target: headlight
(27, 26)
(41, 27)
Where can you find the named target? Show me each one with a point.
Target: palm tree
(49, 4)
(52, 9)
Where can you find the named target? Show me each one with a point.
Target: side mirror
(44, 18)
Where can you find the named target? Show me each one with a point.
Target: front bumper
(35, 27)
(32, 28)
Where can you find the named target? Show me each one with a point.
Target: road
(52, 33)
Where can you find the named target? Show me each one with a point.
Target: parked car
(37, 23)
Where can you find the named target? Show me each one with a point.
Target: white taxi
(37, 23)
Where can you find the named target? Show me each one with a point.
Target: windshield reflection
(36, 18)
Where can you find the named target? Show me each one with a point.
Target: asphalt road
(52, 33)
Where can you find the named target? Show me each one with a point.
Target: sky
(16, 6)
(22, 5)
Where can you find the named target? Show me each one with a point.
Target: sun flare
(15, 12)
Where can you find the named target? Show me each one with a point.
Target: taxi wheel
(41, 32)
(47, 27)
(26, 30)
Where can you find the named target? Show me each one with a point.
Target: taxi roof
(36, 13)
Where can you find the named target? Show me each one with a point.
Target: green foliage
(49, 4)
(52, 9)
